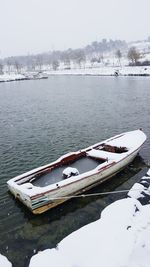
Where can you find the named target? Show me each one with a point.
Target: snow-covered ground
(120, 238)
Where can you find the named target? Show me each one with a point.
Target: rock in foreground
(120, 238)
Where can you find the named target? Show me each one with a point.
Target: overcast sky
(34, 26)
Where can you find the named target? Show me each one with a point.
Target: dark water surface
(40, 121)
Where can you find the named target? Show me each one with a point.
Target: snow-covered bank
(120, 238)
(104, 71)
(4, 262)
(11, 77)
(19, 77)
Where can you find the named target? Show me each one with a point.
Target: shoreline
(126, 71)
(22, 77)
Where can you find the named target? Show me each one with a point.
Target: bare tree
(133, 55)
(67, 63)
(79, 57)
(49, 61)
(55, 64)
(9, 66)
(93, 60)
(102, 58)
(1, 68)
(17, 66)
(119, 56)
(39, 62)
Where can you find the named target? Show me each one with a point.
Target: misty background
(37, 26)
(38, 35)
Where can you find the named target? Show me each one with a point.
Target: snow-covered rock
(148, 173)
(136, 191)
(120, 238)
(141, 190)
(4, 262)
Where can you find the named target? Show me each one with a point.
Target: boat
(35, 76)
(40, 75)
(72, 174)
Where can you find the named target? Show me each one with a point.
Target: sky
(36, 26)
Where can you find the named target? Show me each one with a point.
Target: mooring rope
(95, 194)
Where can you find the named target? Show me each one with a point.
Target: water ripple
(40, 121)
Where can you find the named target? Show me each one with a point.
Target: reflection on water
(40, 121)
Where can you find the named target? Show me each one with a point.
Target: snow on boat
(48, 186)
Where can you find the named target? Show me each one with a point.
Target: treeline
(93, 52)
(103, 52)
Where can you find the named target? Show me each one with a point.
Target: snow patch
(4, 262)
(136, 191)
(69, 171)
(148, 173)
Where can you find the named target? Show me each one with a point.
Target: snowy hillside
(144, 49)
(97, 58)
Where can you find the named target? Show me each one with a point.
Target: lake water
(43, 119)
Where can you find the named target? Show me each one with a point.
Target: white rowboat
(46, 187)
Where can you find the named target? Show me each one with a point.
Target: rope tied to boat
(95, 194)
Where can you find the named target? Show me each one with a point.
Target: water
(40, 121)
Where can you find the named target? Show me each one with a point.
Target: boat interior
(82, 162)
